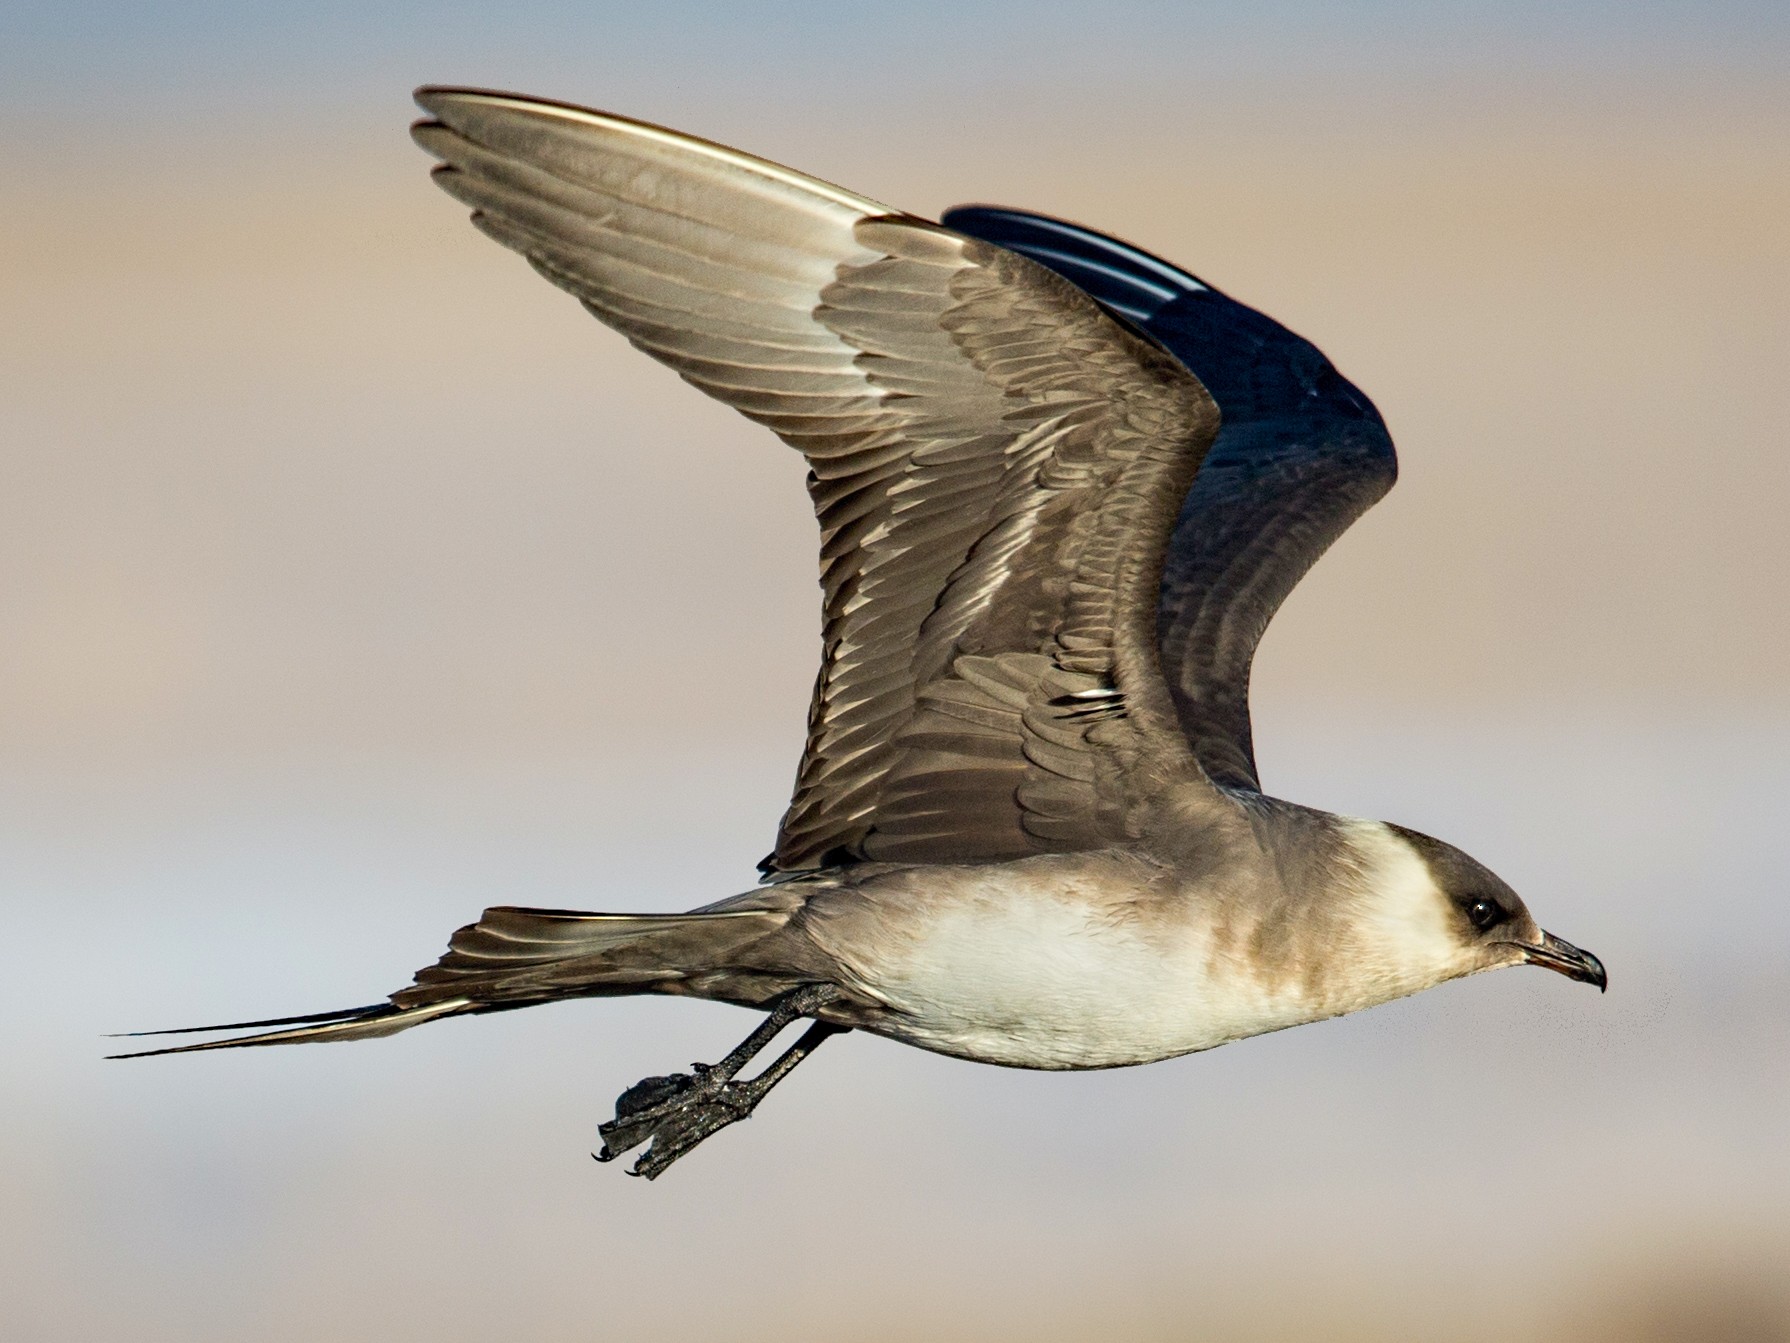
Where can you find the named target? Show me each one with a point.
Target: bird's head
(1439, 914)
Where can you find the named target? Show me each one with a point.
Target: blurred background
(352, 579)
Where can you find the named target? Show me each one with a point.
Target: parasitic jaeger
(1062, 487)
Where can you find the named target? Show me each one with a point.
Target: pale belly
(1012, 971)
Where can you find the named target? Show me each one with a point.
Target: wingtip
(436, 98)
(452, 107)
(430, 97)
(439, 100)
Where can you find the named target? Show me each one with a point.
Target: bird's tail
(518, 957)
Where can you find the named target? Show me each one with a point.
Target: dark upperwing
(1300, 455)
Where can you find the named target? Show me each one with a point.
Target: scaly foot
(678, 1112)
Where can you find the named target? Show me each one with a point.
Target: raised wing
(1301, 454)
(995, 463)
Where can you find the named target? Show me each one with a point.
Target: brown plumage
(1027, 827)
(994, 461)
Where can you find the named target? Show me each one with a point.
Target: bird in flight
(1062, 487)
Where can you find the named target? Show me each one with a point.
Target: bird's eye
(1484, 913)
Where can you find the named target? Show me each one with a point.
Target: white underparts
(1072, 963)
(1018, 967)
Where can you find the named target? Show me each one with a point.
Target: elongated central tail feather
(354, 1023)
(516, 957)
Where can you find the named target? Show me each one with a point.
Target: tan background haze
(351, 579)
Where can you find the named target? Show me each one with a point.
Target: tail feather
(514, 957)
(358, 1023)
(254, 1025)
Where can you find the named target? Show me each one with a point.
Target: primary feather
(995, 463)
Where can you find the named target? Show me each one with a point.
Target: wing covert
(995, 463)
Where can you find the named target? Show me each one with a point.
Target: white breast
(1022, 964)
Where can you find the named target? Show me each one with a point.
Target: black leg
(688, 1125)
(679, 1111)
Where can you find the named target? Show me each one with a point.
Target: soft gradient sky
(353, 579)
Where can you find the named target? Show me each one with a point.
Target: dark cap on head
(1493, 912)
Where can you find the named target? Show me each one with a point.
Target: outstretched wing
(995, 462)
(1301, 454)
